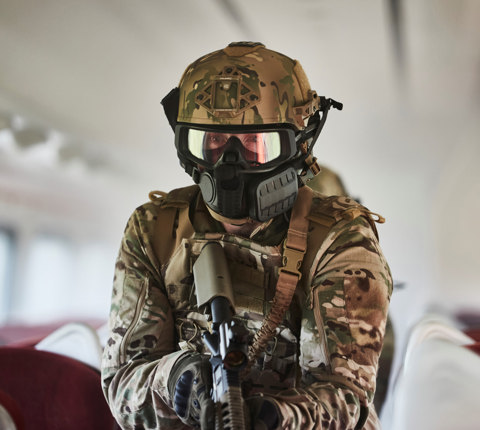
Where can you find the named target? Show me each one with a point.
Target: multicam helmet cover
(246, 84)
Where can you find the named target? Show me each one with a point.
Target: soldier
(309, 278)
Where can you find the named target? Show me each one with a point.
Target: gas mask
(244, 173)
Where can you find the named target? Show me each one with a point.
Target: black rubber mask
(234, 190)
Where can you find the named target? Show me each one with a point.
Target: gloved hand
(264, 413)
(189, 386)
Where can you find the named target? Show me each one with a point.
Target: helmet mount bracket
(311, 133)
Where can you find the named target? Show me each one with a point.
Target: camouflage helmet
(246, 84)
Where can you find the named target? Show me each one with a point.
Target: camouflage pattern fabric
(326, 352)
(225, 88)
(329, 183)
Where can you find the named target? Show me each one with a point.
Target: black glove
(264, 413)
(189, 386)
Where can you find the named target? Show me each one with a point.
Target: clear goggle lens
(257, 148)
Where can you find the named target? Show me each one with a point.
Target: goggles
(261, 148)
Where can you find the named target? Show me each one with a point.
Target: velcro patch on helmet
(228, 94)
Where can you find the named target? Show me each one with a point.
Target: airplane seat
(475, 347)
(11, 417)
(434, 326)
(438, 385)
(76, 340)
(474, 333)
(53, 391)
(103, 334)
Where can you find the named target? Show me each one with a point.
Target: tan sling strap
(294, 248)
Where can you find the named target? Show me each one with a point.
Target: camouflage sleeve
(342, 332)
(140, 351)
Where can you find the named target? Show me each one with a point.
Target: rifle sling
(294, 248)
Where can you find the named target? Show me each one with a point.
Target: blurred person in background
(311, 284)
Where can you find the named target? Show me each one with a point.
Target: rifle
(227, 339)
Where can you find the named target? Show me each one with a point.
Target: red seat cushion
(53, 391)
(475, 347)
(474, 333)
(14, 411)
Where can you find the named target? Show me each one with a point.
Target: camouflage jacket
(321, 366)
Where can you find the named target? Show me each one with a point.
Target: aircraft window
(49, 277)
(64, 279)
(95, 263)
